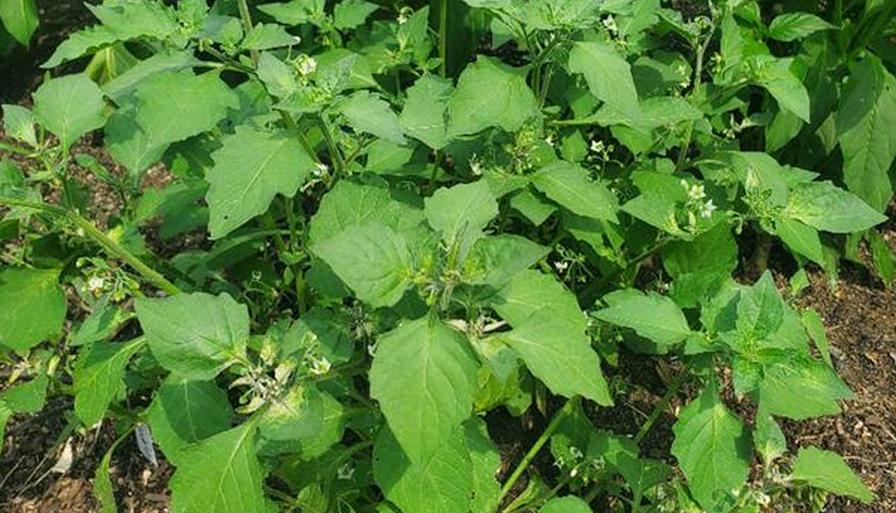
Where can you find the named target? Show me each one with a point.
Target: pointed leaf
(570, 186)
(98, 377)
(69, 107)
(490, 93)
(32, 307)
(608, 75)
(827, 470)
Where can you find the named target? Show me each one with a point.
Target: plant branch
(673, 389)
(151, 275)
(536, 447)
(443, 37)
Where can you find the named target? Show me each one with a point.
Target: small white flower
(475, 166)
(345, 472)
(95, 284)
(320, 366)
(575, 452)
(402, 18)
(696, 192)
(320, 170)
(307, 65)
(707, 209)
(561, 266)
(597, 146)
(610, 24)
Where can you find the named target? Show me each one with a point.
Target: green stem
(443, 37)
(246, 16)
(663, 404)
(12, 148)
(335, 155)
(151, 275)
(536, 447)
(695, 92)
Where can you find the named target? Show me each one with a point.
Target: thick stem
(151, 275)
(536, 447)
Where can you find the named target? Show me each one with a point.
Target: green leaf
(568, 504)
(184, 412)
(368, 113)
(569, 185)
(802, 389)
(801, 239)
(198, 103)
(490, 94)
(760, 310)
(265, 36)
(81, 43)
(486, 461)
(796, 25)
(460, 213)
(608, 75)
(295, 12)
(497, 259)
(220, 474)
(27, 397)
(372, 260)
(32, 307)
(768, 438)
(18, 122)
(423, 375)
(350, 204)
(865, 119)
(194, 335)
(98, 377)
(827, 470)
(251, 168)
(102, 484)
(20, 19)
(349, 14)
(776, 76)
(130, 19)
(549, 335)
(440, 483)
(69, 107)
(651, 315)
(713, 448)
(129, 144)
(824, 206)
(425, 110)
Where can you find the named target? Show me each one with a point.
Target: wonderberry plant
(413, 216)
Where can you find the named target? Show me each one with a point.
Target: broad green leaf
(864, 128)
(348, 14)
(295, 12)
(776, 76)
(184, 412)
(69, 107)
(490, 94)
(423, 375)
(129, 144)
(824, 206)
(760, 310)
(194, 335)
(372, 260)
(713, 448)
(567, 504)
(827, 470)
(424, 113)
(642, 474)
(768, 438)
(486, 461)
(20, 19)
(460, 213)
(220, 474)
(796, 25)
(251, 168)
(441, 482)
(802, 389)
(265, 36)
(130, 19)
(122, 86)
(18, 122)
(532, 207)
(80, 43)
(569, 185)
(99, 377)
(651, 315)
(27, 397)
(351, 204)
(801, 239)
(549, 335)
(700, 266)
(197, 103)
(368, 113)
(496, 260)
(608, 75)
(32, 307)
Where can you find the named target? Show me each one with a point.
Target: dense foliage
(417, 215)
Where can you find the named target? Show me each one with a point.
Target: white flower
(575, 452)
(346, 471)
(320, 170)
(307, 65)
(402, 18)
(610, 24)
(320, 366)
(696, 192)
(561, 266)
(707, 209)
(95, 284)
(597, 146)
(475, 166)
